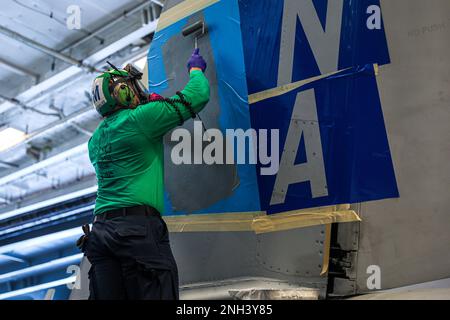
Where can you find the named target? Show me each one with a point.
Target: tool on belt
(82, 241)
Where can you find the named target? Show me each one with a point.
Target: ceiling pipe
(25, 107)
(40, 47)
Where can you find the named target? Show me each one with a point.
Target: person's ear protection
(123, 94)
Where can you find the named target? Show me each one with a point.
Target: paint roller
(198, 29)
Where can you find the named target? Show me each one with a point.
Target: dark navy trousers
(131, 260)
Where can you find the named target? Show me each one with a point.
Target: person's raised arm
(158, 117)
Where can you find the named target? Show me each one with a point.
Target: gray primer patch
(212, 182)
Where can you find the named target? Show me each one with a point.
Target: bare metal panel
(409, 237)
(294, 256)
(211, 256)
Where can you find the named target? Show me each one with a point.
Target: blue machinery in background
(38, 246)
(274, 67)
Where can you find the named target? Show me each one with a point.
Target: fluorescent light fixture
(40, 268)
(39, 287)
(42, 240)
(10, 137)
(49, 202)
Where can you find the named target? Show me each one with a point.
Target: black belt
(130, 211)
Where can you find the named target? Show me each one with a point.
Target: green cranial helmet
(110, 90)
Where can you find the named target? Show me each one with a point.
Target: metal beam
(18, 70)
(14, 101)
(40, 47)
(8, 164)
(80, 129)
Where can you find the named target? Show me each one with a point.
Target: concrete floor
(434, 290)
(420, 294)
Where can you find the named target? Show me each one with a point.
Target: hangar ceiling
(47, 99)
(46, 118)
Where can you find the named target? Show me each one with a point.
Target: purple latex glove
(196, 61)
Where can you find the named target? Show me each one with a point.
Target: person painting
(128, 247)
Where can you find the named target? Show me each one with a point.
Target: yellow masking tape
(260, 222)
(278, 91)
(326, 250)
(376, 67)
(212, 222)
(181, 11)
(301, 220)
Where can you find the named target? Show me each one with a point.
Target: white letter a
(304, 122)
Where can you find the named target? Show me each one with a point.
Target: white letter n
(325, 44)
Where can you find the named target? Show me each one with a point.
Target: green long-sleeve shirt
(126, 149)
